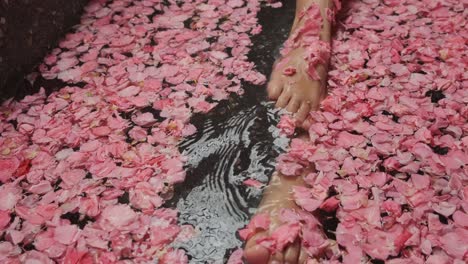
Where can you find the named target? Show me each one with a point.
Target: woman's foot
(277, 197)
(298, 79)
(292, 87)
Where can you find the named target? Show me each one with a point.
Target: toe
(302, 257)
(277, 258)
(274, 89)
(275, 86)
(256, 255)
(306, 124)
(302, 112)
(283, 99)
(293, 105)
(291, 254)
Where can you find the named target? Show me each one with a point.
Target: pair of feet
(294, 90)
(298, 94)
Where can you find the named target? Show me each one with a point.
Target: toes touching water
(297, 84)
(298, 80)
(293, 89)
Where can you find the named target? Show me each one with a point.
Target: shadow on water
(236, 141)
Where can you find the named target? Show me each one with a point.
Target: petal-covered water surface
(88, 162)
(389, 144)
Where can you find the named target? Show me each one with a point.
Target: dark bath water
(237, 140)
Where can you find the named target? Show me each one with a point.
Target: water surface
(236, 141)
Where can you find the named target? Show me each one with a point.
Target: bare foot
(276, 197)
(298, 82)
(297, 93)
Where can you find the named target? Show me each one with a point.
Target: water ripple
(220, 158)
(236, 141)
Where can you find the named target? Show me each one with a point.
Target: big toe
(275, 87)
(291, 254)
(256, 255)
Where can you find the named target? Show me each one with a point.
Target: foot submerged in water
(277, 197)
(298, 84)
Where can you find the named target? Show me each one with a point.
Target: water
(224, 154)
(237, 140)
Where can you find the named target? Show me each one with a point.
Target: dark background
(28, 30)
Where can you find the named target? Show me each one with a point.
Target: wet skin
(298, 94)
